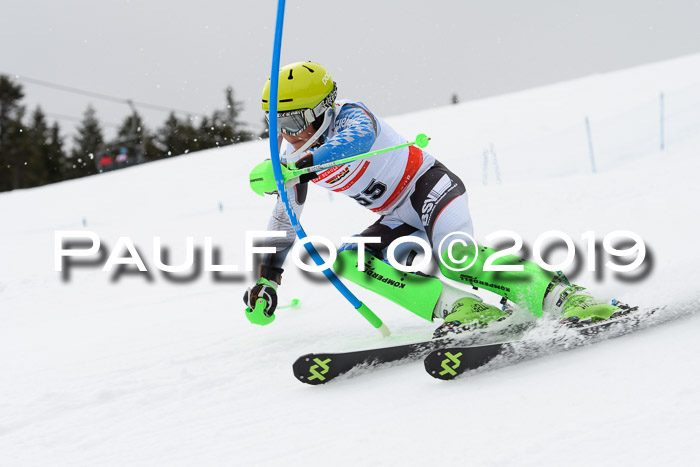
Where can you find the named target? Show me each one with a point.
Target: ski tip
(313, 369)
(442, 364)
(449, 362)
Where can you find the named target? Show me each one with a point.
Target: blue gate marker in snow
(590, 145)
(279, 179)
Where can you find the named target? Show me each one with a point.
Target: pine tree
(223, 127)
(189, 136)
(55, 155)
(88, 146)
(10, 96)
(17, 147)
(206, 134)
(169, 136)
(90, 138)
(11, 113)
(233, 112)
(36, 170)
(130, 136)
(178, 136)
(217, 131)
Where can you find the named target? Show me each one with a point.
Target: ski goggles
(293, 122)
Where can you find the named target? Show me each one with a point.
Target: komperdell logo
(474, 281)
(379, 277)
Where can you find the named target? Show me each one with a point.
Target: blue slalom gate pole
(279, 179)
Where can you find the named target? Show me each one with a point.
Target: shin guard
(416, 293)
(525, 288)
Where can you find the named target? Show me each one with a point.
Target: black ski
(451, 361)
(447, 357)
(319, 368)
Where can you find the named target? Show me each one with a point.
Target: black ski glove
(266, 288)
(306, 161)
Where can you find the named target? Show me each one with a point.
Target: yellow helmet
(302, 85)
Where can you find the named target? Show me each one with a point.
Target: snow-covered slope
(134, 369)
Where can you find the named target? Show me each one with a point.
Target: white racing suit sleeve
(279, 221)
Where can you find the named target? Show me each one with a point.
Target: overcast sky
(396, 56)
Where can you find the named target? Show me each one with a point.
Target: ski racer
(413, 194)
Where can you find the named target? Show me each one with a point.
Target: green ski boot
(463, 311)
(426, 296)
(575, 305)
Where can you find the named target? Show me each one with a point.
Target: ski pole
(421, 141)
(257, 315)
(293, 304)
(263, 181)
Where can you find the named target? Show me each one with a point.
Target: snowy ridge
(136, 370)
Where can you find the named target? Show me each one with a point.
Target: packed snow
(127, 368)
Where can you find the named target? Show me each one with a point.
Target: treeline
(33, 152)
